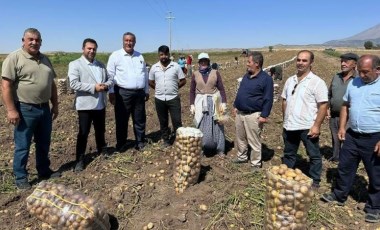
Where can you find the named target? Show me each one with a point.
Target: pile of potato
(288, 198)
(188, 148)
(64, 208)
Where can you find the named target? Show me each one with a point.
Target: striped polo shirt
(301, 101)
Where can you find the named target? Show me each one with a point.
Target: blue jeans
(355, 148)
(35, 121)
(292, 141)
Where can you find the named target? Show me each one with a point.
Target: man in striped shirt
(304, 107)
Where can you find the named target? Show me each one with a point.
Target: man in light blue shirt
(362, 139)
(128, 69)
(166, 77)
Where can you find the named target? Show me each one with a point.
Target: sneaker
(23, 185)
(79, 166)
(256, 168)
(331, 198)
(239, 161)
(221, 155)
(50, 175)
(372, 218)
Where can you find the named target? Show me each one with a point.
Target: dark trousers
(336, 143)
(292, 141)
(163, 109)
(358, 147)
(127, 103)
(86, 118)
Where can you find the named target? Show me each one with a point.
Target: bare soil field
(227, 196)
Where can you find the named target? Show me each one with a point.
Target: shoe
(140, 146)
(50, 175)
(239, 161)
(166, 144)
(122, 148)
(331, 198)
(372, 218)
(23, 185)
(221, 155)
(256, 168)
(79, 166)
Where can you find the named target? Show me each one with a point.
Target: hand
(111, 98)
(54, 112)
(234, 112)
(377, 148)
(13, 117)
(261, 121)
(223, 108)
(328, 115)
(192, 109)
(313, 132)
(342, 134)
(146, 96)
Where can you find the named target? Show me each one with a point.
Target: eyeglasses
(294, 90)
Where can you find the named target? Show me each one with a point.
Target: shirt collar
(87, 62)
(127, 54)
(29, 56)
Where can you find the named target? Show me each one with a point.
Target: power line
(170, 18)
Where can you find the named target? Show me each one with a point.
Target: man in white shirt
(304, 107)
(166, 77)
(89, 79)
(128, 69)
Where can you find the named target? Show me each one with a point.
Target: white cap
(203, 55)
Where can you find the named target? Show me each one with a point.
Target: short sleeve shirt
(166, 80)
(364, 101)
(32, 79)
(302, 100)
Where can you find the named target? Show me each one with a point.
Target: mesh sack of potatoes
(64, 208)
(188, 148)
(288, 198)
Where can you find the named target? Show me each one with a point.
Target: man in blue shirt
(362, 139)
(253, 104)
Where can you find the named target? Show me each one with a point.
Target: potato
(288, 198)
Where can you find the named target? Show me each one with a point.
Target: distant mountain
(371, 34)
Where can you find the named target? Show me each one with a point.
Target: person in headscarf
(208, 105)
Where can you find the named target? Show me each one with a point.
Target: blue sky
(198, 24)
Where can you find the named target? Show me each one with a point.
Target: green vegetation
(332, 52)
(270, 48)
(368, 45)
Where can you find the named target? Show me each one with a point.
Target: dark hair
(257, 57)
(130, 34)
(214, 66)
(32, 31)
(90, 40)
(307, 51)
(164, 49)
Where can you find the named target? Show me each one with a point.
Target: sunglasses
(294, 90)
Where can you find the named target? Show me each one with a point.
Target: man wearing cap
(362, 139)
(337, 89)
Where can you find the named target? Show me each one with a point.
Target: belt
(40, 105)
(356, 134)
(247, 112)
(138, 89)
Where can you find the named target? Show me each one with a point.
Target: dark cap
(349, 56)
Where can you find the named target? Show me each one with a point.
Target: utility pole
(170, 29)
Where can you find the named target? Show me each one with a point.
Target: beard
(165, 61)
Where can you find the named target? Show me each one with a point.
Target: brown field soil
(123, 183)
